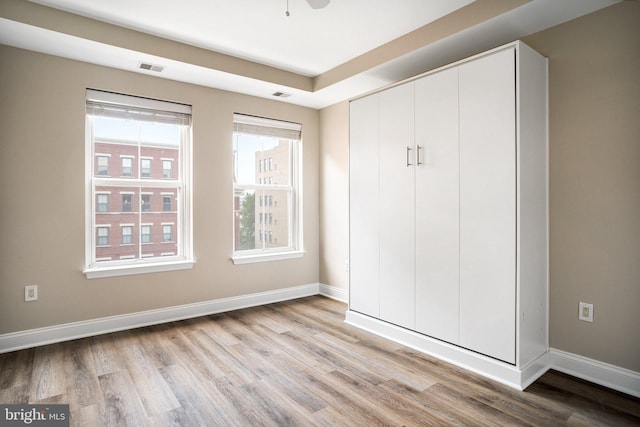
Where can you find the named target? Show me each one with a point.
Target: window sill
(131, 269)
(248, 259)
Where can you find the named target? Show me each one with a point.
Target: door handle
(408, 160)
(419, 147)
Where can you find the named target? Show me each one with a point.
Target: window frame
(101, 267)
(245, 124)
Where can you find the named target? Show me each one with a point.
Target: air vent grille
(150, 67)
(281, 94)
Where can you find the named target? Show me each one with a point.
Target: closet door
(437, 206)
(397, 207)
(488, 205)
(364, 286)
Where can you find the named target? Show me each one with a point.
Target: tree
(248, 222)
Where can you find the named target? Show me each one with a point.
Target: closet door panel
(437, 205)
(364, 287)
(397, 207)
(488, 205)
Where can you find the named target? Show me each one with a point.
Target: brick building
(135, 221)
(272, 205)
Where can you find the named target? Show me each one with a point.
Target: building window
(167, 203)
(130, 128)
(102, 166)
(167, 166)
(258, 144)
(145, 168)
(102, 203)
(167, 233)
(127, 166)
(145, 202)
(127, 235)
(145, 234)
(127, 202)
(103, 236)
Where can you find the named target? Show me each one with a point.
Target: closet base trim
(509, 375)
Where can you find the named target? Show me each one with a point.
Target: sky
(245, 148)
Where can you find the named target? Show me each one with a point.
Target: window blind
(118, 106)
(253, 125)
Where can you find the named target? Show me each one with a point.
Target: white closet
(448, 213)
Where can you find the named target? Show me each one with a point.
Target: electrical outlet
(585, 312)
(31, 293)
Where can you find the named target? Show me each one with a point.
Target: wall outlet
(585, 312)
(31, 293)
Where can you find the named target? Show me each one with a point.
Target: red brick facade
(135, 221)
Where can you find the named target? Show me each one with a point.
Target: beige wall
(334, 192)
(42, 187)
(594, 172)
(594, 184)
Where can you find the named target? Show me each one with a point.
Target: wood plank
(15, 368)
(48, 377)
(154, 392)
(122, 405)
(83, 388)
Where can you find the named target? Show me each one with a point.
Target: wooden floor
(291, 363)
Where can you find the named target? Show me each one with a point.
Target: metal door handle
(408, 161)
(418, 155)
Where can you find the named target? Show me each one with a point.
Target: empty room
(319, 212)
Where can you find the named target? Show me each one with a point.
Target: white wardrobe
(448, 213)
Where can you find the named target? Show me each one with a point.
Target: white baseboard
(338, 294)
(488, 367)
(611, 376)
(69, 331)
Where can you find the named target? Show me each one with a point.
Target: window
(145, 168)
(127, 166)
(145, 203)
(102, 203)
(145, 234)
(127, 235)
(264, 194)
(167, 165)
(167, 203)
(126, 202)
(102, 165)
(167, 232)
(103, 236)
(136, 130)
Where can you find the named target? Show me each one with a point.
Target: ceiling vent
(281, 94)
(150, 67)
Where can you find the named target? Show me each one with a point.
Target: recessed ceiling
(317, 57)
(308, 41)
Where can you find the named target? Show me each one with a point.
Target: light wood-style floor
(294, 363)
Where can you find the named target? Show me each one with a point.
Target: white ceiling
(308, 42)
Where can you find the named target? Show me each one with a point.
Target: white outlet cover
(585, 312)
(31, 293)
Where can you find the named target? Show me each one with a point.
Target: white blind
(115, 105)
(253, 125)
